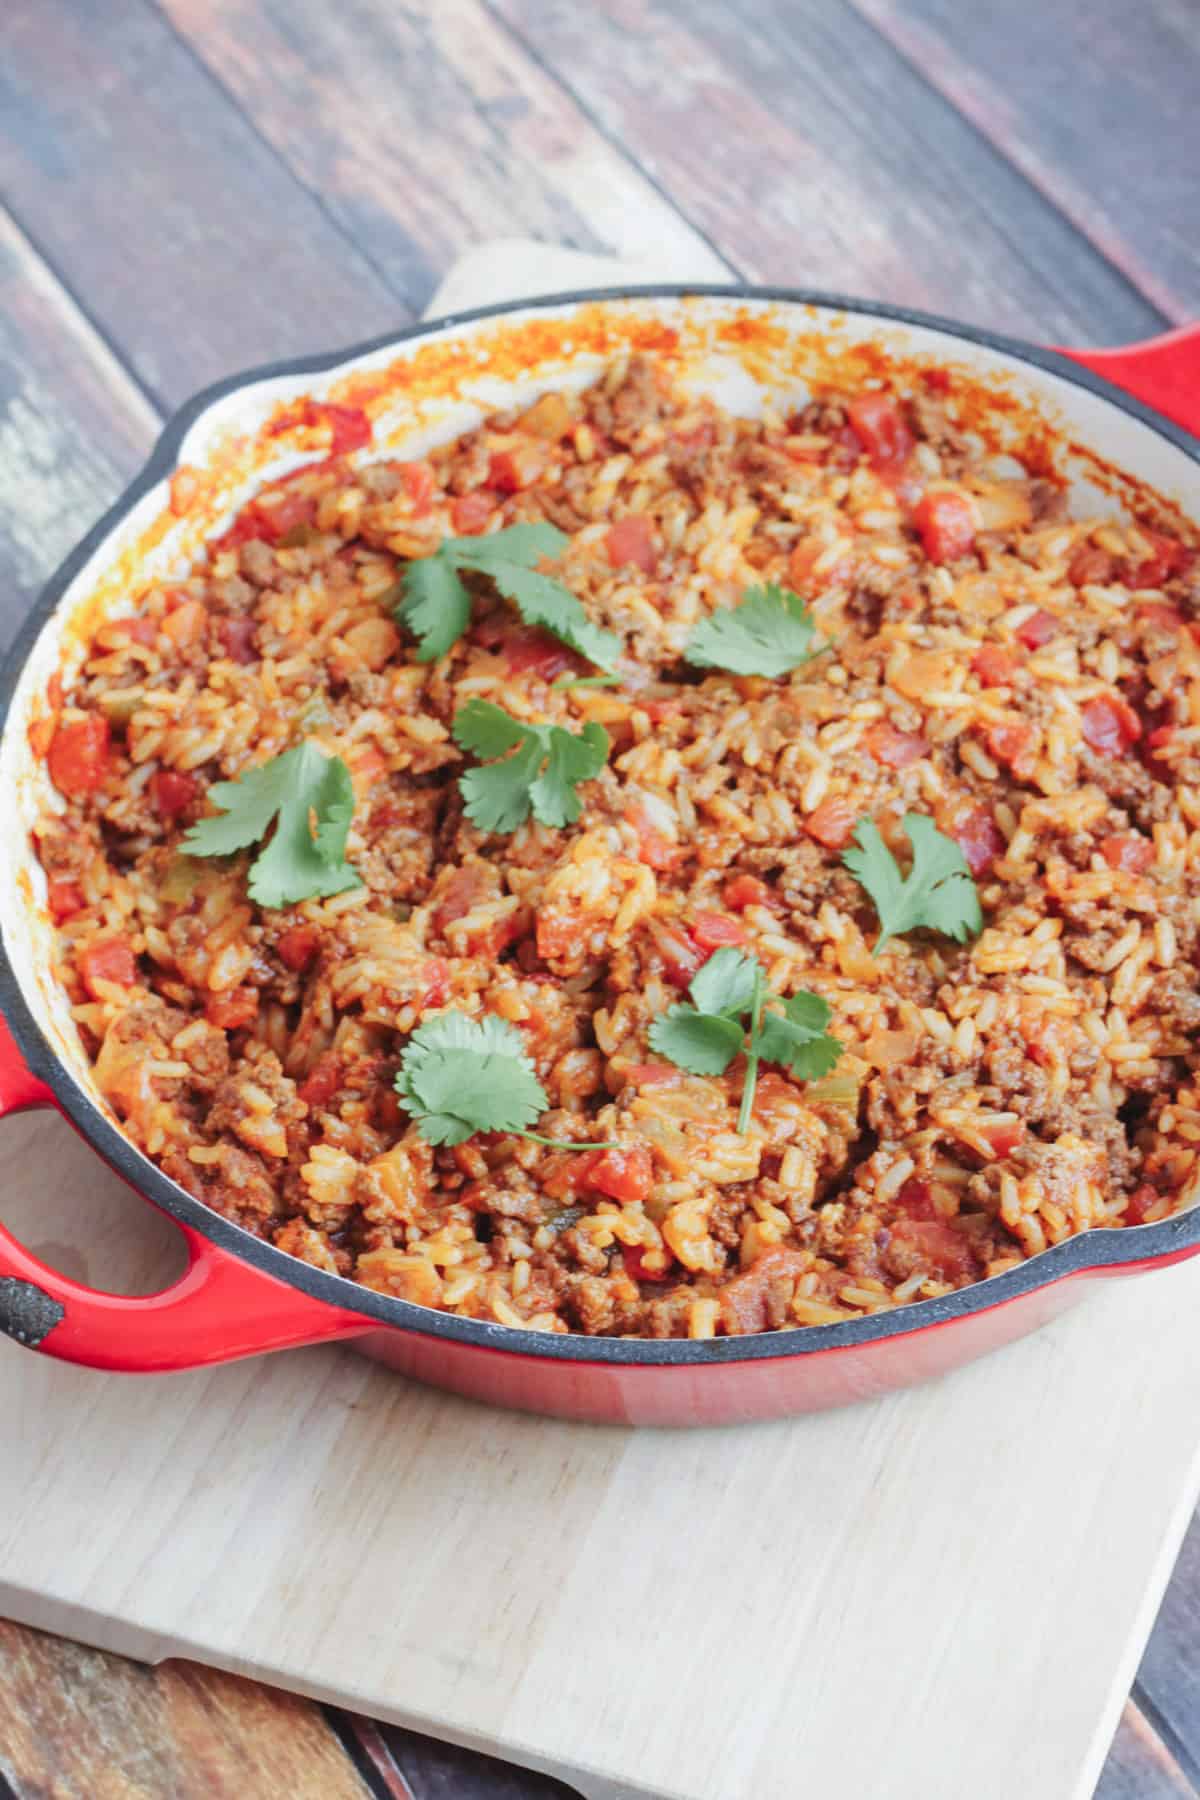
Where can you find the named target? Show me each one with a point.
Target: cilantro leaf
(702, 1043)
(460, 1075)
(705, 1037)
(298, 863)
(540, 776)
(938, 892)
(436, 606)
(796, 1037)
(770, 632)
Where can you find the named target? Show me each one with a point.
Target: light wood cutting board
(939, 1595)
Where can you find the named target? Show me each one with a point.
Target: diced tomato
(232, 1010)
(529, 651)
(1091, 567)
(469, 513)
(654, 849)
(936, 1243)
(702, 436)
(437, 983)
(631, 540)
(246, 528)
(109, 959)
(1038, 629)
(635, 1265)
(746, 890)
(979, 838)
(1155, 742)
(652, 1074)
(239, 639)
(713, 931)
(520, 467)
(681, 958)
(1167, 557)
(349, 427)
(1127, 852)
(283, 514)
(140, 631)
(945, 525)
(1139, 1204)
(833, 822)
(1155, 612)
(297, 947)
(994, 666)
(323, 1083)
(893, 748)
(465, 888)
(78, 756)
(185, 624)
(659, 711)
(915, 1200)
(1004, 1137)
(881, 429)
(802, 568)
(624, 1175)
(172, 791)
(1110, 724)
(420, 483)
(938, 381)
(1015, 744)
(64, 898)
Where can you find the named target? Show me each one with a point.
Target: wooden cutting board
(938, 1595)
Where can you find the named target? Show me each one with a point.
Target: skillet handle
(220, 1309)
(1163, 372)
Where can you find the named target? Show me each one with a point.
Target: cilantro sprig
(310, 798)
(938, 892)
(732, 1009)
(460, 1075)
(769, 632)
(436, 606)
(540, 776)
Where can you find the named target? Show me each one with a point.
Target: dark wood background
(191, 186)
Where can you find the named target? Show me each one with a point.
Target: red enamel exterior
(223, 1308)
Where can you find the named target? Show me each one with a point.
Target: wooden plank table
(196, 185)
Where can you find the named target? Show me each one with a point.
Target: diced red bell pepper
(1127, 852)
(635, 1265)
(945, 525)
(232, 1010)
(626, 1175)
(833, 822)
(1110, 724)
(880, 427)
(469, 513)
(893, 748)
(1168, 557)
(420, 483)
(297, 946)
(713, 931)
(529, 651)
(631, 540)
(1038, 629)
(78, 756)
(64, 898)
(323, 1083)
(172, 791)
(979, 838)
(746, 890)
(107, 960)
(995, 666)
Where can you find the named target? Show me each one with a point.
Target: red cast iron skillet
(241, 1297)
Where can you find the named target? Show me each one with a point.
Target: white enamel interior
(1074, 414)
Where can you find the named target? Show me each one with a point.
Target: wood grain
(188, 243)
(811, 153)
(73, 424)
(1095, 102)
(77, 1724)
(426, 124)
